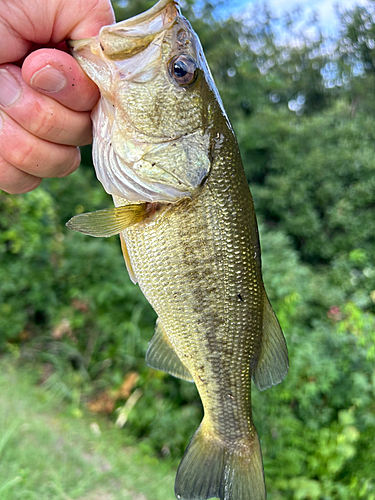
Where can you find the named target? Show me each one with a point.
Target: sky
(324, 8)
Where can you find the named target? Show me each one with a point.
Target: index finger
(57, 74)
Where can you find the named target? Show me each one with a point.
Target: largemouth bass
(166, 152)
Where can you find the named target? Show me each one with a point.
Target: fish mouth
(165, 11)
(139, 31)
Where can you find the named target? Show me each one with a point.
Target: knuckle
(22, 156)
(44, 125)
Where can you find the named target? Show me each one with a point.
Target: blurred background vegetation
(303, 111)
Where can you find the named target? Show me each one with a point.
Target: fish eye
(183, 69)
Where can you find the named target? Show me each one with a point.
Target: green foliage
(320, 422)
(30, 249)
(357, 54)
(304, 120)
(318, 182)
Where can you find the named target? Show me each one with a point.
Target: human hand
(45, 104)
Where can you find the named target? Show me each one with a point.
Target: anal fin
(161, 356)
(273, 363)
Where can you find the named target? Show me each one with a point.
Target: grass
(49, 450)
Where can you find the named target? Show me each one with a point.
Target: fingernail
(49, 79)
(10, 89)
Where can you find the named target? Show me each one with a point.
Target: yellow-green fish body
(166, 152)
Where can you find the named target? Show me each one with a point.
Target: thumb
(57, 74)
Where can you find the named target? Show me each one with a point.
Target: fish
(165, 150)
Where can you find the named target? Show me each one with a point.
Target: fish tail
(211, 467)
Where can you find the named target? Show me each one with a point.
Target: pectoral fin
(161, 356)
(105, 223)
(128, 264)
(273, 362)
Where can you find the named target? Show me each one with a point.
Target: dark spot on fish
(239, 296)
(101, 46)
(153, 164)
(72, 84)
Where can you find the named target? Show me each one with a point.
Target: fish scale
(165, 150)
(225, 322)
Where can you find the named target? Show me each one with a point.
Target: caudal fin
(213, 468)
